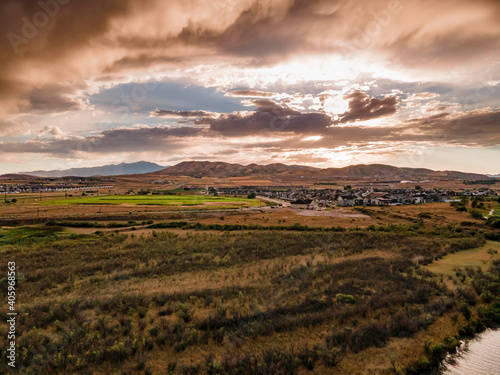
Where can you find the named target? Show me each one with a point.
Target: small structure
(305, 204)
(347, 201)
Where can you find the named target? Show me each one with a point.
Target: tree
(252, 195)
(476, 214)
(418, 187)
(348, 187)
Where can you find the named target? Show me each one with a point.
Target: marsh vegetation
(243, 301)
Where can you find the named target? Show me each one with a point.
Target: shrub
(345, 298)
(476, 215)
(425, 215)
(465, 310)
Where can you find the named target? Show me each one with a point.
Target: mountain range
(275, 170)
(105, 170)
(377, 171)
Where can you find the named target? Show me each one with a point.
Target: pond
(478, 356)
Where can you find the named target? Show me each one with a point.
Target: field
(259, 301)
(195, 284)
(159, 200)
(481, 257)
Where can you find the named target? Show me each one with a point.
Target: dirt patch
(332, 213)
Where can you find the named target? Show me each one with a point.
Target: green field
(479, 257)
(167, 200)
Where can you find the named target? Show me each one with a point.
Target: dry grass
(102, 280)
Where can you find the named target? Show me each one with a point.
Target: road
(278, 201)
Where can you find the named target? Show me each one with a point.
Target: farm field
(158, 200)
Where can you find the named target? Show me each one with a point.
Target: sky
(324, 83)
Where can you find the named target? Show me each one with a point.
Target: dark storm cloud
(85, 39)
(109, 141)
(475, 128)
(54, 98)
(272, 117)
(362, 107)
(480, 128)
(267, 31)
(268, 118)
(43, 34)
(172, 113)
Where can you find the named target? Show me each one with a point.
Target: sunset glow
(336, 81)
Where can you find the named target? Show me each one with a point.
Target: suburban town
(305, 198)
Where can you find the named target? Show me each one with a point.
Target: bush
(345, 298)
(476, 215)
(465, 310)
(425, 215)
(493, 222)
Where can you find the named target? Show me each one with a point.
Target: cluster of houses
(305, 198)
(39, 188)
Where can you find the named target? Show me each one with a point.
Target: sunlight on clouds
(313, 138)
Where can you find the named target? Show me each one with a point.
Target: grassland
(481, 257)
(158, 200)
(142, 284)
(355, 301)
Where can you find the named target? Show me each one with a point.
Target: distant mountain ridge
(380, 171)
(221, 169)
(105, 170)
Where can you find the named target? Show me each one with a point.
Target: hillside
(15, 176)
(379, 171)
(391, 172)
(106, 170)
(221, 169)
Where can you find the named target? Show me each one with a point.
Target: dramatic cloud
(172, 113)
(268, 118)
(479, 128)
(362, 107)
(54, 98)
(286, 74)
(55, 40)
(109, 141)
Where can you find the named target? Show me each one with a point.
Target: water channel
(479, 356)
